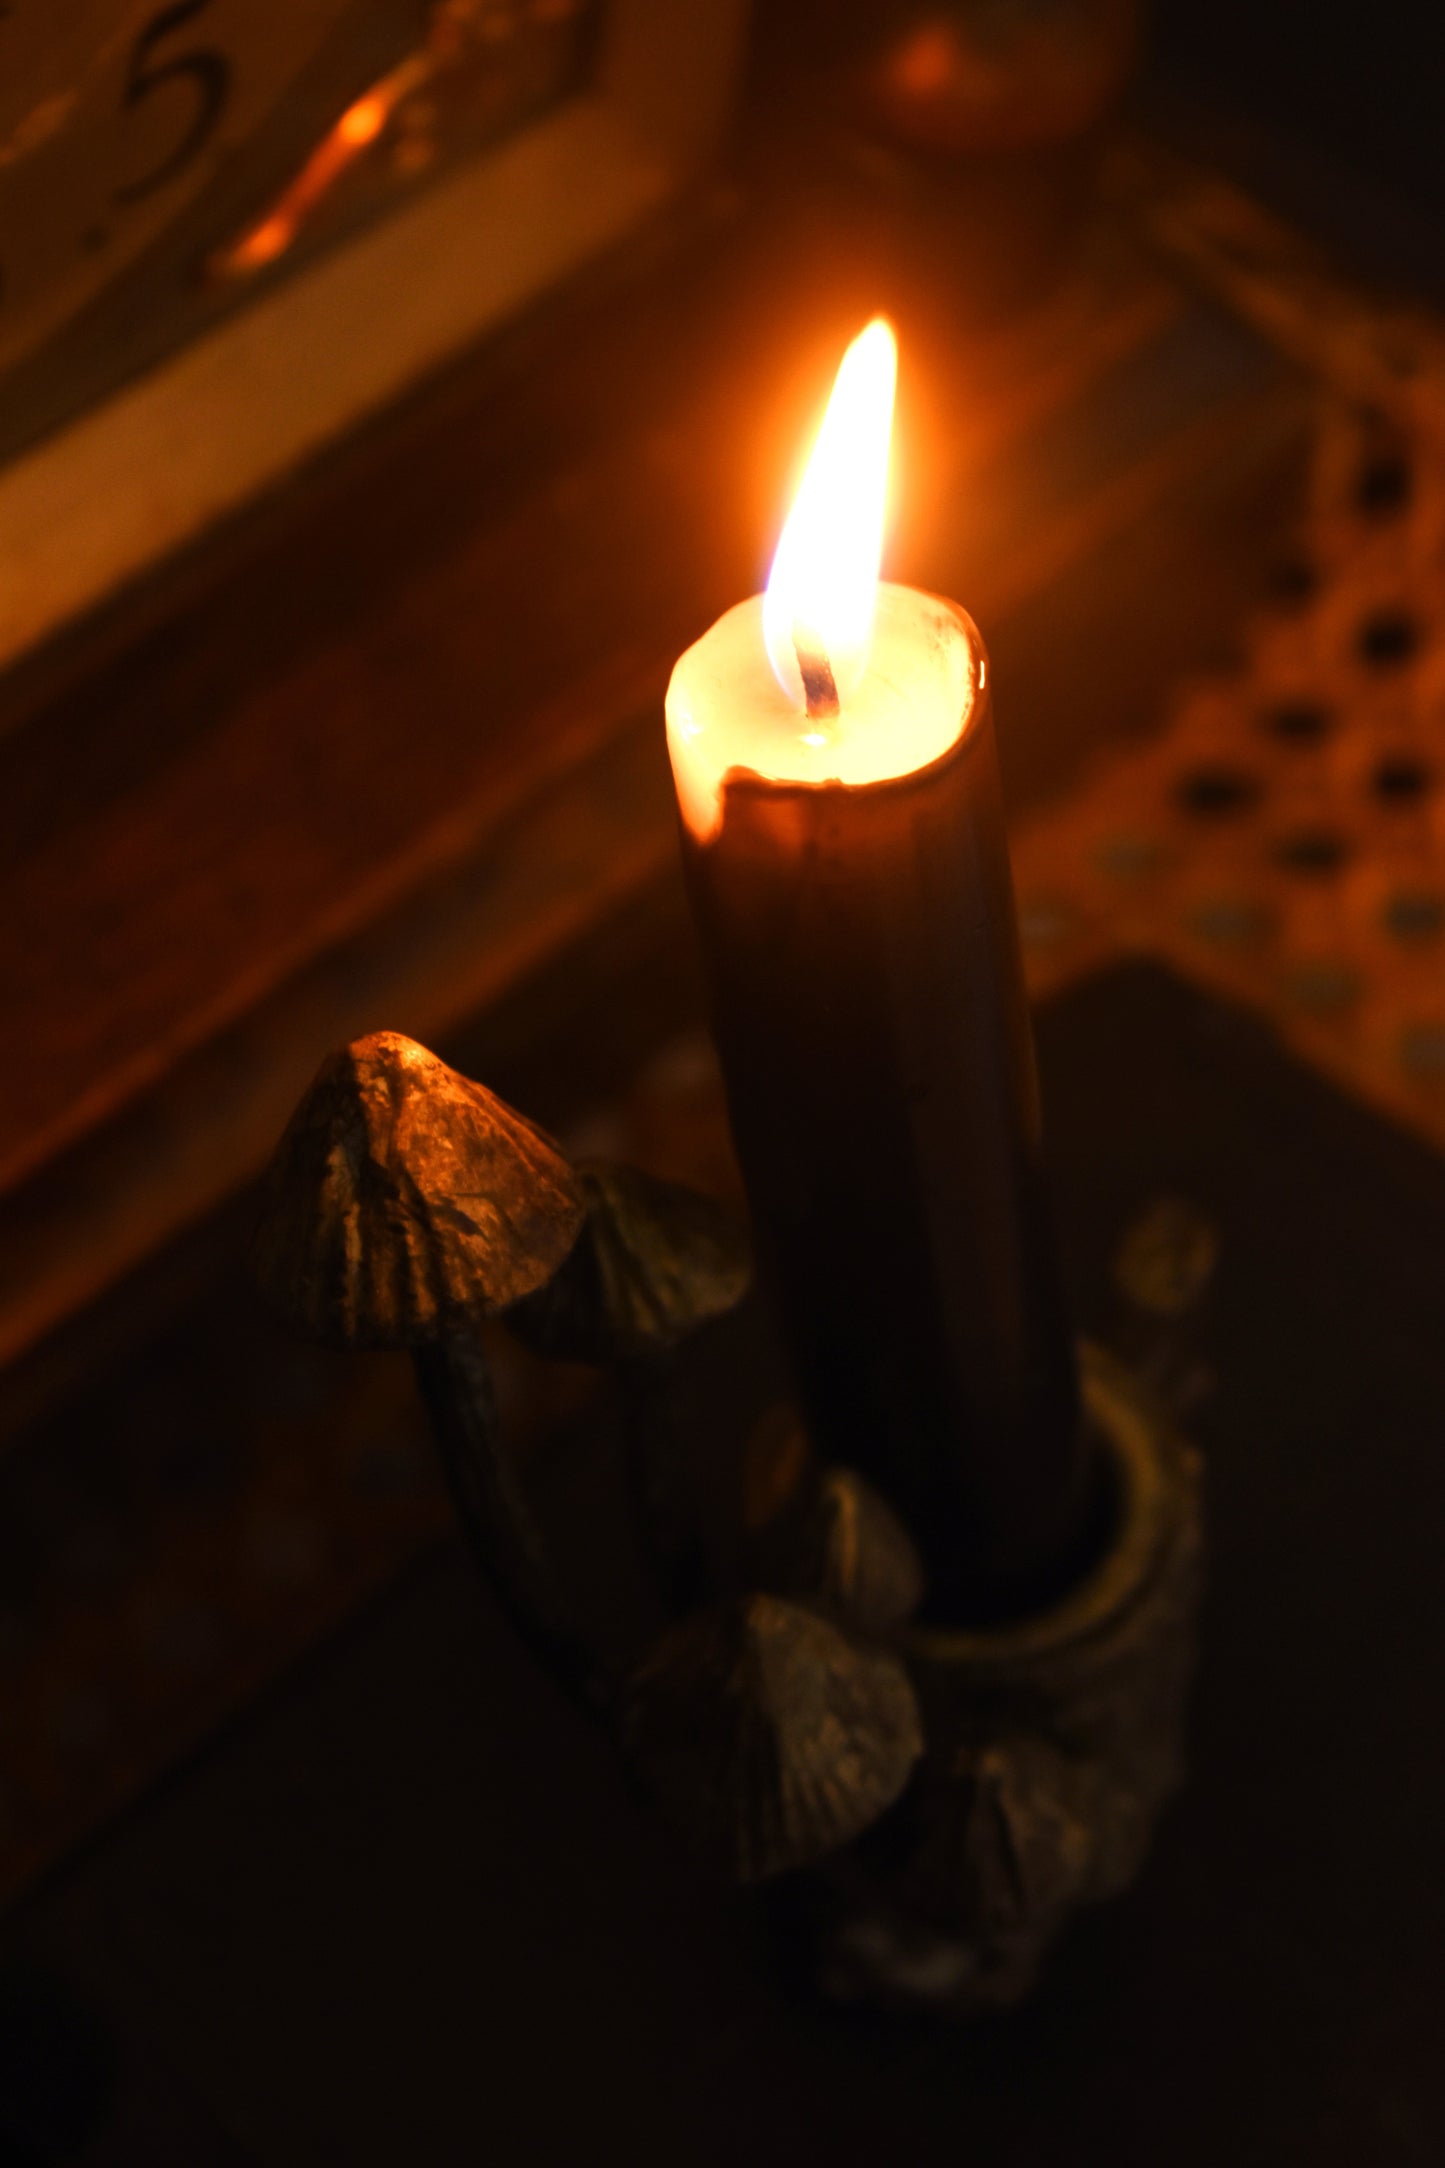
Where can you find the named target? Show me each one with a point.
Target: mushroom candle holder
(942, 1800)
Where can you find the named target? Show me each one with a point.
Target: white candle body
(726, 709)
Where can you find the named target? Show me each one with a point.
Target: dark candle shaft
(869, 1010)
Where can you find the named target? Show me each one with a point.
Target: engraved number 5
(205, 72)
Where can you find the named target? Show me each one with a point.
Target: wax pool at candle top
(726, 709)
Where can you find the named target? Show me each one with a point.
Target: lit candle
(833, 751)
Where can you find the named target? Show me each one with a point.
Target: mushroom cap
(653, 1261)
(1008, 1843)
(1167, 1257)
(405, 1199)
(857, 1558)
(768, 1738)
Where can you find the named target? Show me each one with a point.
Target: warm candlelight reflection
(822, 592)
(359, 127)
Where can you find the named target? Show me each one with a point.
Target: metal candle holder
(941, 1801)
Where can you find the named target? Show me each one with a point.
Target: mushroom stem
(661, 1484)
(456, 1388)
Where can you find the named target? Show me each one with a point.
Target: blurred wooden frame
(230, 416)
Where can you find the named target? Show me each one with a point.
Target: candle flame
(823, 588)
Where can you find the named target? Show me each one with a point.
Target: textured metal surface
(1051, 1747)
(406, 1204)
(767, 1737)
(405, 1200)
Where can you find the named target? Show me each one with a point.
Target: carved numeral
(205, 73)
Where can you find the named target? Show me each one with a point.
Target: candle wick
(820, 687)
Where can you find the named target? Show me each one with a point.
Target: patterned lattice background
(1283, 837)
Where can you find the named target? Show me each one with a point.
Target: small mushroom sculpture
(855, 1558)
(773, 1722)
(823, 1534)
(405, 1200)
(653, 1261)
(767, 1737)
(405, 1205)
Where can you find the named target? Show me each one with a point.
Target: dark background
(1337, 109)
(1360, 85)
